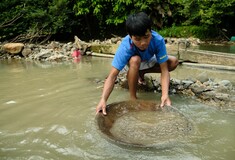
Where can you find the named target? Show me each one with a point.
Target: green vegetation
(190, 31)
(33, 20)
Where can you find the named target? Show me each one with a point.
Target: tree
(32, 19)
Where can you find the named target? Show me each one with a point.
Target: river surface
(218, 48)
(47, 111)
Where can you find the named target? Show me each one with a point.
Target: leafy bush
(33, 18)
(100, 18)
(201, 32)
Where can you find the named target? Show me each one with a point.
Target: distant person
(143, 51)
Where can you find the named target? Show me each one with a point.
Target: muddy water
(225, 49)
(47, 112)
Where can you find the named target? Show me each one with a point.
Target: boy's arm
(108, 87)
(165, 80)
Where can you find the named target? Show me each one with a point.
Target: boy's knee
(174, 62)
(135, 61)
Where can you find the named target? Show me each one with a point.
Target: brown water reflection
(47, 111)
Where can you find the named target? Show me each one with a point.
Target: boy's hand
(165, 100)
(101, 107)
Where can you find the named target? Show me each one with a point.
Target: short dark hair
(138, 24)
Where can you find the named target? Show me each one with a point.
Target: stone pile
(216, 93)
(57, 51)
(53, 51)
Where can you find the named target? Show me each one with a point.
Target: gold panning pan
(144, 124)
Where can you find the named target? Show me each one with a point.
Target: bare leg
(132, 75)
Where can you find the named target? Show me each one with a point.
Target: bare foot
(141, 80)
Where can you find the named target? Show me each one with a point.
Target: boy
(144, 51)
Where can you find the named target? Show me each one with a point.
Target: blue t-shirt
(127, 49)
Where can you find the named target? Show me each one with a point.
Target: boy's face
(142, 42)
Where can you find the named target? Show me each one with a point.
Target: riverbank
(58, 51)
(203, 88)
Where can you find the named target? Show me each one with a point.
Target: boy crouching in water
(143, 51)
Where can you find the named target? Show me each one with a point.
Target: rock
(188, 92)
(81, 45)
(226, 83)
(173, 91)
(180, 87)
(57, 57)
(156, 83)
(175, 81)
(13, 48)
(77, 43)
(43, 54)
(104, 48)
(187, 83)
(208, 95)
(89, 53)
(203, 77)
(84, 48)
(116, 40)
(222, 96)
(199, 90)
(31, 46)
(53, 45)
(67, 47)
(26, 52)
